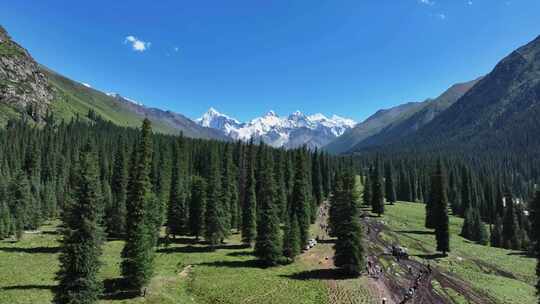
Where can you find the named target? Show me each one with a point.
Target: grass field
(185, 273)
(508, 276)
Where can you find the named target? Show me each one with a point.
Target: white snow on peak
(118, 96)
(289, 131)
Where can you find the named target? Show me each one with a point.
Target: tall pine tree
(138, 253)
(440, 208)
(268, 246)
(82, 239)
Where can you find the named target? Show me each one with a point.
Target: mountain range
(497, 111)
(294, 130)
(27, 87)
(391, 124)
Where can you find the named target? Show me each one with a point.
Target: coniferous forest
(103, 181)
(109, 200)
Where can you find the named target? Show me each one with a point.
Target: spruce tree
(138, 252)
(496, 239)
(349, 251)
(317, 182)
(215, 219)
(300, 199)
(366, 195)
(249, 210)
(377, 192)
(467, 230)
(268, 245)
(291, 240)
(440, 208)
(510, 224)
(19, 203)
(390, 188)
(197, 206)
(116, 215)
(177, 215)
(82, 239)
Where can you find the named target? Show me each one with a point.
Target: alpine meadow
(419, 184)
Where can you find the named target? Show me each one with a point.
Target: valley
(434, 198)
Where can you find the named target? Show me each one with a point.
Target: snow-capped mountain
(292, 131)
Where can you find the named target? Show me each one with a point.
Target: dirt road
(400, 275)
(386, 276)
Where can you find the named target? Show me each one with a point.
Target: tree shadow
(432, 256)
(240, 253)
(320, 274)
(524, 254)
(31, 249)
(118, 289)
(185, 249)
(235, 264)
(419, 232)
(178, 240)
(51, 232)
(201, 249)
(330, 241)
(27, 287)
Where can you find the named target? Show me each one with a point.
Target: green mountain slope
(500, 113)
(32, 90)
(432, 108)
(373, 125)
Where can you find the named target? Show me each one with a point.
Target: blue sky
(345, 57)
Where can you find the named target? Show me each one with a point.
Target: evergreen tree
(249, 210)
(268, 246)
(19, 203)
(138, 252)
(215, 220)
(349, 251)
(440, 208)
(510, 224)
(197, 206)
(116, 215)
(467, 230)
(390, 188)
(229, 190)
(317, 182)
(300, 199)
(377, 199)
(291, 243)
(497, 234)
(177, 213)
(366, 196)
(82, 239)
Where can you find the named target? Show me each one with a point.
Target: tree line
(104, 181)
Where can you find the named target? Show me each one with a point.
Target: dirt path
(401, 275)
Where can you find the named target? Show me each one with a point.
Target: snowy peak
(215, 120)
(292, 131)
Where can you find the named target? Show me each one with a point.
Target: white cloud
(469, 2)
(136, 44)
(441, 16)
(86, 84)
(427, 2)
(176, 49)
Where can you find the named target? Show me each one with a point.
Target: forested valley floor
(188, 272)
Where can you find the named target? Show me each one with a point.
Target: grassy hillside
(74, 99)
(507, 276)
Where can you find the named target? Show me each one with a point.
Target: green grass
(223, 276)
(72, 99)
(485, 268)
